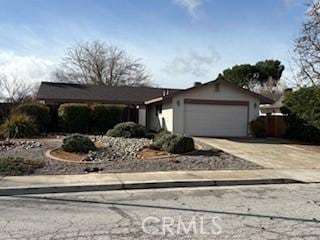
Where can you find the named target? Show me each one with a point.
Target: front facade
(217, 109)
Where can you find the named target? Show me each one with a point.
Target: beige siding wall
(167, 117)
(225, 92)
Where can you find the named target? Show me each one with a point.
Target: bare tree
(308, 46)
(102, 64)
(2, 78)
(14, 90)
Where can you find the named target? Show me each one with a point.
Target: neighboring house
(217, 108)
(272, 109)
(275, 108)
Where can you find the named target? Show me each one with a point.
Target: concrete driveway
(270, 153)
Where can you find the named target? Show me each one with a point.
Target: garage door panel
(216, 120)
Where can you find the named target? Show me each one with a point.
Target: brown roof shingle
(106, 94)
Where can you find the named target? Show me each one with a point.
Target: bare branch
(15, 90)
(101, 64)
(308, 47)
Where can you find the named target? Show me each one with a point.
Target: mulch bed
(67, 156)
(207, 158)
(147, 153)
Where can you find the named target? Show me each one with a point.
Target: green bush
(302, 114)
(20, 126)
(160, 139)
(74, 117)
(13, 166)
(173, 143)
(299, 129)
(104, 117)
(127, 130)
(305, 103)
(77, 143)
(39, 112)
(259, 127)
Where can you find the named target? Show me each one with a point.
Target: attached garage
(215, 118)
(214, 109)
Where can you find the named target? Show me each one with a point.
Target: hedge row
(26, 120)
(82, 118)
(38, 112)
(32, 119)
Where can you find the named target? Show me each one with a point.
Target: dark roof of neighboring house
(263, 99)
(68, 92)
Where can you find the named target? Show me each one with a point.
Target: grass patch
(15, 166)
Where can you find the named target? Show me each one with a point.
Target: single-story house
(274, 109)
(217, 108)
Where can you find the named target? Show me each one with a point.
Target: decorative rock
(12, 144)
(119, 148)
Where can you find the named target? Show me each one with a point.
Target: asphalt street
(248, 212)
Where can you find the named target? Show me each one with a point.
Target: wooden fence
(276, 126)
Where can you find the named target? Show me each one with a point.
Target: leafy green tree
(269, 69)
(243, 75)
(302, 114)
(248, 76)
(305, 103)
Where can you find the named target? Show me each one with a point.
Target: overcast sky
(180, 41)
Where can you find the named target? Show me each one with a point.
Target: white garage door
(215, 120)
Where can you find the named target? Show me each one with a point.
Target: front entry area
(216, 119)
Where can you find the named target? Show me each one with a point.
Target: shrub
(302, 114)
(11, 166)
(127, 130)
(299, 129)
(39, 112)
(305, 104)
(19, 125)
(74, 117)
(105, 117)
(178, 144)
(77, 143)
(160, 139)
(259, 127)
(173, 143)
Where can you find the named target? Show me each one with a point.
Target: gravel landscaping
(117, 149)
(121, 155)
(23, 144)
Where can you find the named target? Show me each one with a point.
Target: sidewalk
(120, 181)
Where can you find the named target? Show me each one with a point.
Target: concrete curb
(140, 185)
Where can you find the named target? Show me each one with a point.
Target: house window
(158, 109)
